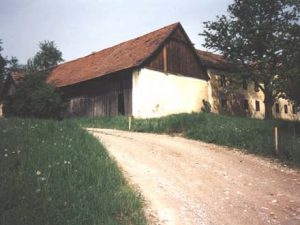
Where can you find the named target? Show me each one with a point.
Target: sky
(80, 27)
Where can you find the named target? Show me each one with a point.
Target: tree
(47, 57)
(2, 64)
(34, 98)
(258, 35)
(13, 63)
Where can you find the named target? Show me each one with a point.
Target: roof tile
(125, 55)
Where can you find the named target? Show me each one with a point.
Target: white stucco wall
(156, 94)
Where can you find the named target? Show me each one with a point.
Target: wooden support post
(165, 59)
(129, 122)
(276, 140)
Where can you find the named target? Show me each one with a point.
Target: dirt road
(190, 182)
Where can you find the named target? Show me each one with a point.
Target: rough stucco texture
(156, 94)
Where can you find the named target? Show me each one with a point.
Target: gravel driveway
(190, 182)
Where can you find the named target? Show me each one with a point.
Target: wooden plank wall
(181, 59)
(99, 97)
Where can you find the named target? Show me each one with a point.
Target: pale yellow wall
(236, 93)
(156, 94)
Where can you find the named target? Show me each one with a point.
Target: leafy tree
(2, 63)
(13, 63)
(34, 98)
(47, 57)
(260, 36)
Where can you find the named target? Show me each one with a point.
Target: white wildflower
(5, 150)
(43, 178)
(5, 155)
(38, 172)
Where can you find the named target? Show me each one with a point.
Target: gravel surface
(191, 182)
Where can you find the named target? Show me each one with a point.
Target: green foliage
(13, 64)
(3, 63)
(262, 36)
(56, 173)
(206, 107)
(47, 57)
(34, 98)
(249, 135)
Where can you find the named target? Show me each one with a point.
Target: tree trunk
(269, 102)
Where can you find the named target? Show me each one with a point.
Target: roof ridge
(123, 42)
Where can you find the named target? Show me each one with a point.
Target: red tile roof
(215, 61)
(126, 55)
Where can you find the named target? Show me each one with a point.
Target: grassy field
(56, 173)
(249, 135)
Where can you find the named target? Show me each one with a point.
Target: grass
(249, 135)
(56, 173)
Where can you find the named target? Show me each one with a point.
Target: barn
(154, 75)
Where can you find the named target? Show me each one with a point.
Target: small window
(256, 86)
(286, 109)
(257, 106)
(294, 109)
(277, 108)
(245, 104)
(224, 103)
(222, 81)
(245, 84)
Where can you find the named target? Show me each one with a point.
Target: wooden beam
(165, 59)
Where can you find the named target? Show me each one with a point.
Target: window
(222, 81)
(286, 109)
(224, 103)
(277, 108)
(257, 106)
(256, 86)
(245, 104)
(294, 109)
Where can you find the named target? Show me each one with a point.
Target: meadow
(249, 135)
(56, 173)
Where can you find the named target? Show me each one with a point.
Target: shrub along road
(190, 182)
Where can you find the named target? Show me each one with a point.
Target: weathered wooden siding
(181, 58)
(101, 96)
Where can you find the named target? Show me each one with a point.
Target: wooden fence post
(276, 140)
(129, 122)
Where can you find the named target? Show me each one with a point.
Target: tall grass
(56, 173)
(250, 135)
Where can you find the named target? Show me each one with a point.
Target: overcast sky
(80, 27)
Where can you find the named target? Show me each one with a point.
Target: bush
(34, 98)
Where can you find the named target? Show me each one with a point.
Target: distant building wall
(244, 99)
(156, 94)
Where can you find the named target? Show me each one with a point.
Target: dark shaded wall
(109, 95)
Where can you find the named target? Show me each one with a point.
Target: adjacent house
(8, 88)
(153, 75)
(239, 97)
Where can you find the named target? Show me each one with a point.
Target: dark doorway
(121, 105)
